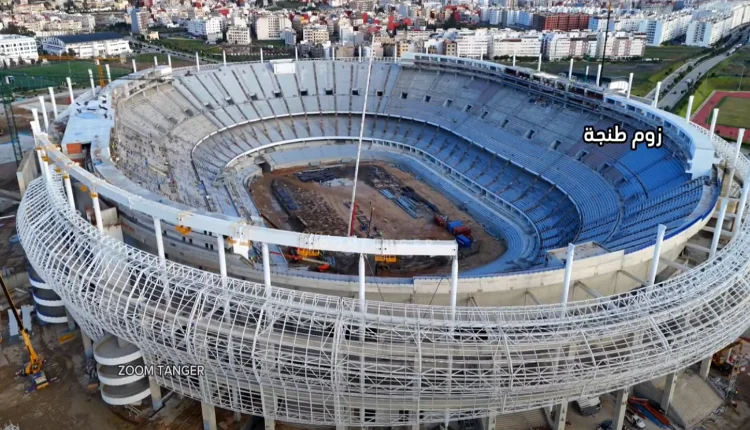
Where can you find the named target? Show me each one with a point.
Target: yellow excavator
(35, 367)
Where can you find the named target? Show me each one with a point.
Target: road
(177, 54)
(703, 65)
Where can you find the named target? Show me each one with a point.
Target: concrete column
(705, 367)
(296, 53)
(52, 99)
(224, 56)
(69, 191)
(561, 413)
(122, 343)
(587, 74)
(35, 114)
(70, 90)
(156, 402)
(454, 286)
(97, 211)
(539, 64)
(630, 85)
(71, 321)
(689, 108)
(159, 241)
(514, 58)
(88, 348)
(156, 62)
(135, 69)
(222, 259)
(568, 272)
(209, 416)
(654, 267)
(666, 397)
(491, 422)
(570, 70)
(270, 423)
(169, 60)
(197, 62)
(261, 55)
(714, 117)
(621, 405)
(109, 73)
(43, 106)
(91, 80)
(266, 268)
(655, 103)
(362, 283)
(741, 208)
(719, 227)
(598, 74)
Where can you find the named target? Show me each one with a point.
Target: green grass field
(724, 77)
(54, 74)
(188, 45)
(733, 112)
(645, 73)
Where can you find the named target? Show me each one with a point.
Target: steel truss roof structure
(310, 358)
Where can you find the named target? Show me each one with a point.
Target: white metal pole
(42, 163)
(359, 146)
(514, 58)
(714, 117)
(156, 62)
(169, 60)
(197, 61)
(360, 53)
(222, 259)
(266, 268)
(296, 53)
(70, 90)
(587, 74)
(689, 108)
(261, 55)
(69, 191)
(568, 272)
(91, 79)
(362, 283)
(539, 63)
(655, 102)
(97, 211)
(54, 102)
(598, 74)
(630, 84)
(741, 208)
(135, 68)
(224, 57)
(719, 227)
(44, 112)
(654, 267)
(733, 165)
(454, 286)
(109, 73)
(570, 70)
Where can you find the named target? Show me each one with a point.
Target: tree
(16, 29)
(71, 52)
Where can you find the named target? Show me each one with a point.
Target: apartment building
(269, 27)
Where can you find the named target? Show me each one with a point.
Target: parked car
(635, 420)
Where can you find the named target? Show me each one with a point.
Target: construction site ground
(327, 208)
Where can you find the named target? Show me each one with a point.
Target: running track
(702, 116)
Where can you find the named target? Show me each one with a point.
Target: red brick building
(560, 21)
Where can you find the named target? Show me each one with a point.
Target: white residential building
(88, 45)
(663, 28)
(139, 21)
(469, 43)
(268, 27)
(14, 46)
(707, 31)
(495, 16)
(621, 45)
(238, 35)
(204, 26)
(315, 33)
(289, 36)
(556, 46)
(505, 43)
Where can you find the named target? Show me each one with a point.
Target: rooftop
(90, 37)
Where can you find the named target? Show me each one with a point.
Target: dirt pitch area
(327, 211)
(733, 113)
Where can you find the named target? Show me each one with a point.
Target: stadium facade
(147, 241)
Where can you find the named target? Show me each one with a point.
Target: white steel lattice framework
(305, 357)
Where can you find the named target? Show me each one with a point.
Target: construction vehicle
(725, 358)
(321, 266)
(35, 367)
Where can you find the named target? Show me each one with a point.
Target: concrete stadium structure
(170, 154)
